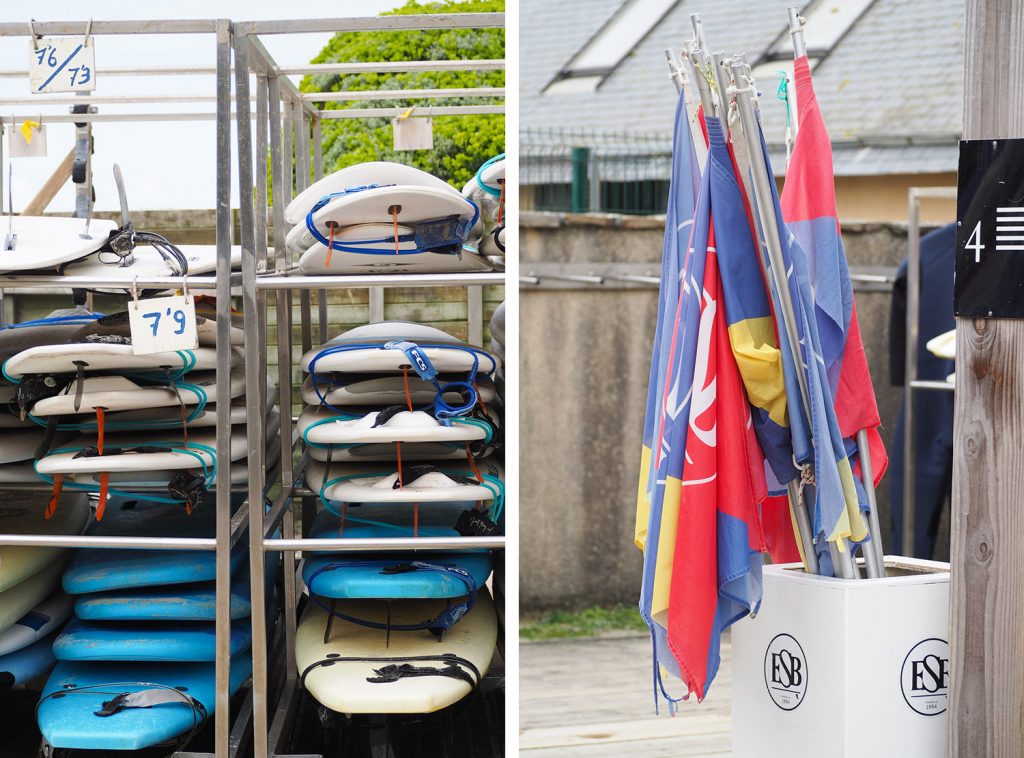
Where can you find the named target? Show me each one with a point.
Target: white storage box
(844, 668)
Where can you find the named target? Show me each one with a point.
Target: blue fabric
(933, 472)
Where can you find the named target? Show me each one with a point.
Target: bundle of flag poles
(761, 427)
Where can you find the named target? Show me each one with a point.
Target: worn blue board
(75, 691)
(374, 575)
(146, 641)
(179, 602)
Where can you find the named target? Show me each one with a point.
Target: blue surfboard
(105, 570)
(389, 574)
(143, 641)
(26, 664)
(75, 691)
(178, 602)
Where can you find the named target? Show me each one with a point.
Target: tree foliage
(461, 143)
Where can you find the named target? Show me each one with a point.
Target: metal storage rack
(229, 530)
(913, 385)
(288, 127)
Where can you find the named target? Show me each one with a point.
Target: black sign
(990, 230)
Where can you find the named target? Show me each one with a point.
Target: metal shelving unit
(229, 529)
(913, 385)
(287, 127)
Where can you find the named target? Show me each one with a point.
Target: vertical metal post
(580, 157)
(318, 173)
(278, 159)
(222, 727)
(301, 182)
(262, 146)
(255, 387)
(594, 183)
(376, 304)
(475, 314)
(910, 371)
(769, 225)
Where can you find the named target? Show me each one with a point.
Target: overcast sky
(165, 164)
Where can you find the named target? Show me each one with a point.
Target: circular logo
(924, 677)
(785, 672)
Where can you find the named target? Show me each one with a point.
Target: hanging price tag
(163, 324)
(61, 64)
(415, 133)
(28, 140)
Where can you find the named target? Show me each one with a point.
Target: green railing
(592, 171)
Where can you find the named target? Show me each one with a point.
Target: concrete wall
(585, 357)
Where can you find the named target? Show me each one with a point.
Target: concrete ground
(592, 698)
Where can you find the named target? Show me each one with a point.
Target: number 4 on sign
(974, 243)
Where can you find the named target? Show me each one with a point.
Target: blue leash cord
(495, 191)
(82, 318)
(441, 622)
(423, 367)
(458, 236)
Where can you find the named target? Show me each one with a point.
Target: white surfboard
(20, 598)
(171, 460)
(45, 242)
(360, 175)
(23, 513)
(411, 451)
(379, 483)
(314, 262)
(343, 686)
(60, 359)
(37, 623)
(373, 206)
(386, 390)
(146, 261)
(371, 356)
(118, 324)
(171, 415)
(120, 393)
(494, 174)
(404, 426)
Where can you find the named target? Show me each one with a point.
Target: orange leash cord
(401, 483)
(58, 487)
(105, 476)
(331, 225)
(394, 218)
(501, 201)
(476, 472)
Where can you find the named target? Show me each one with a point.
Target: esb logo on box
(924, 677)
(785, 672)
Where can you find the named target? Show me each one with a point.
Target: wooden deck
(591, 698)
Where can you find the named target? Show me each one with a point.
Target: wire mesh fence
(589, 170)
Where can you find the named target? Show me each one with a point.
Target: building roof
(891, 88)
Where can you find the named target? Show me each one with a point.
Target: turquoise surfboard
(76, 691)
(145, 641)
(178, 602)
(385, 575)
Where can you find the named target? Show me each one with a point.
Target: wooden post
(986, 703)
(50, 187)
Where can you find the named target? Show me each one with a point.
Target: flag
(655, 532)
(716, 572)
(809, 208)
(753, 338)
(816, 435)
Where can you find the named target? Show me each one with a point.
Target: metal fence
(588, 170)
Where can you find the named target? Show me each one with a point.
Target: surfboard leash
(400, 667)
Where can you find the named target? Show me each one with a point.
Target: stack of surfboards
(382, 217)
(136, 663)
(32, 605)
(69, 246)
(399, 632)
(127, 424)
(487, 191)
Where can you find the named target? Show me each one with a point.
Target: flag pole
(675, 72)
(842, 560)
(703, 88)
(874, 559)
